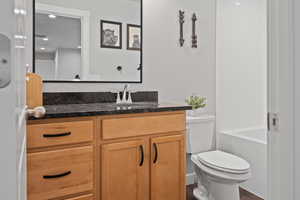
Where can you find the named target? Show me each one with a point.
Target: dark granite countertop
(94, 109)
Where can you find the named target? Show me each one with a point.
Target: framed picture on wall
(111, 34)
(133, 37)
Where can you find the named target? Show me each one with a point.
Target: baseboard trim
(249, 194)
(190, 178)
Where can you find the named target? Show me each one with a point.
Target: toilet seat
(219, 182)
(224, 162)
(219, 174)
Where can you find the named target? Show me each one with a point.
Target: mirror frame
(66, 81)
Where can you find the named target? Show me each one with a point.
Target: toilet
(218, 173)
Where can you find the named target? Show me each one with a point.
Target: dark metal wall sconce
(194, 36)
(181, 22)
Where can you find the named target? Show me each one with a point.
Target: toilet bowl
(218, 173)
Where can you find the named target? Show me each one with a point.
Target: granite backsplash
(63, 98)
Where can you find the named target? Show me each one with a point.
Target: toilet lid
(224, 162)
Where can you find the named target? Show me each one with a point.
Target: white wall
(241, 64)
(179, 72)
(175, 72)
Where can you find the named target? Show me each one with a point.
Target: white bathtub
(250, 144)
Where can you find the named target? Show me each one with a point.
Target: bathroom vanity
(95, 149)
(108, 152)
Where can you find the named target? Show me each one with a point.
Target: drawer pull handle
(142, 155)
(57, 175)
(56, 135)
(156, 153)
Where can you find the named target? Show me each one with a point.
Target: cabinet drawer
(142, 125)
(52, 134)
(85, 197)
(59, 173)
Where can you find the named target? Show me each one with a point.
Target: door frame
(281, 93)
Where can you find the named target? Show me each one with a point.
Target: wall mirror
(88, 41)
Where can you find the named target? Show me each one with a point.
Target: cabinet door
(168, 168)
(125, 171)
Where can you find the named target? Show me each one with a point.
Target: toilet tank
(200, 134)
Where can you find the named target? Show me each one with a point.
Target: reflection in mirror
(58, 47)
(88, 40)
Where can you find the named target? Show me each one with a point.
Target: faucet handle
(118, 101)
(129, 100)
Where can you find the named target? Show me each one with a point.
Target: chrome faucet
(124, 100)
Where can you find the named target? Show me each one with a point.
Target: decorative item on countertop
(34, 90)
(181, 22)
(194, 36)
(197, 104)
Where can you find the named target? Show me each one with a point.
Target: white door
(281, 101)
(297, 97)
(15, 55)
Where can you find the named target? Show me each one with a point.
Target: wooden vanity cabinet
(61, 159)
(143, 157)
(168, 167)
(153, 168)
(128, 157)
(124, 171)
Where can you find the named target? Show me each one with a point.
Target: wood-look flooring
(245, 195)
